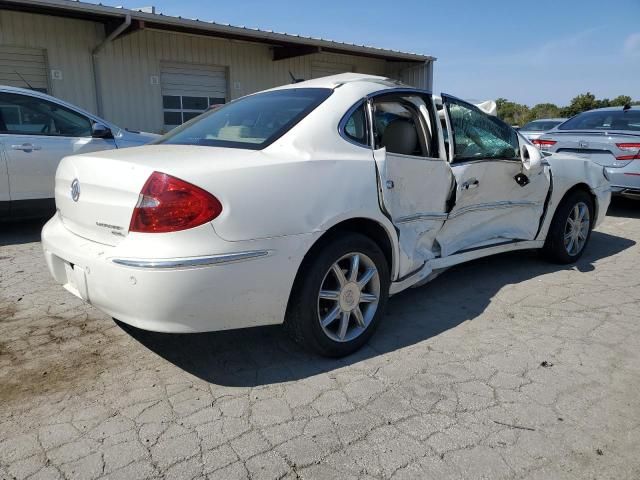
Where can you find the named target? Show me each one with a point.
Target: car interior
(398, 128)
(26, 115)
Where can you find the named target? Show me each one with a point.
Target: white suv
(36, 132)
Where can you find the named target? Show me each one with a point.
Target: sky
(528, 52)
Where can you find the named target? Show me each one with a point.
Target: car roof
(548, 120)
(360, 81)
(612, 109)
(33, 93)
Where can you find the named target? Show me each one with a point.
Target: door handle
(26, 147)
(472, 183)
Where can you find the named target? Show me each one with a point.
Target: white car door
(37, 134)
(415, 179)
(496, 199)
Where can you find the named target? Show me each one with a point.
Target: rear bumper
(625, 181)
(633, 193)
(243, 284)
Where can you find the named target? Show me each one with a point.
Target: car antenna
(294, 79)
(24, 80)
(626, 107)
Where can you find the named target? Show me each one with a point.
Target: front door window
(478, 136)
(27, 115)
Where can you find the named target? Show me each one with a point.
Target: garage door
(189, 89)
(21, 67)
(324, 69)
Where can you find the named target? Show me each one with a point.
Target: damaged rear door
(415, 181)
(496, 199)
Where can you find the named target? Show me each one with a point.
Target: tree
(511, 112)
(581, 103)
(621, 101)
(544, 110)
(517, 114)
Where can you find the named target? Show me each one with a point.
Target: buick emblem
(75, 190)
(583, 144)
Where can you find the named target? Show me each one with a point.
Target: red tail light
(629, 147)
(543, 143)
(168, 204)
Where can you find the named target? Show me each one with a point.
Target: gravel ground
(507, 367)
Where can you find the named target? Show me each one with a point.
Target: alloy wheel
(348, 297)
(576, 229)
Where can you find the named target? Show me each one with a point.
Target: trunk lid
(95, 195)
(598, 146)
(110, 183)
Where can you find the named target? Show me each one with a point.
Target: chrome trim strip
(422, 216)
(492, 206)
(193, 262)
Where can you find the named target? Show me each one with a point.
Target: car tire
(320, 300)
(563, 244)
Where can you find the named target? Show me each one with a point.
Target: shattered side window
(478, 136)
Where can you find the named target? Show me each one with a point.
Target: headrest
(400, 136)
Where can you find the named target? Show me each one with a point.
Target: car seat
(401, 137)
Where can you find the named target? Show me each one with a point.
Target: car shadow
(19, 232)
(624, 207)
(265, 355)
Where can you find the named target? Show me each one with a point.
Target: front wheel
(570, 228)
(340, 296)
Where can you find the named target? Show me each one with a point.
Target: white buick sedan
(309, 205)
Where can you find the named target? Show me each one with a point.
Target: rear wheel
(339, 297)
(570, 228)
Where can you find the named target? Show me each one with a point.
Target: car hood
(126, 138)
(137, 135)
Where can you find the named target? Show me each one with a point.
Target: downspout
(430, 74)
(96, 68)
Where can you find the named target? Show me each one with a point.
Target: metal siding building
(148, 71)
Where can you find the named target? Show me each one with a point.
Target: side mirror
(531, 157)
(99, 130)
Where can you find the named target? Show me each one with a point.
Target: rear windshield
(251, 122)
(540, 125)
(604, 120)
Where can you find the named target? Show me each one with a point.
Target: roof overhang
(284, 45)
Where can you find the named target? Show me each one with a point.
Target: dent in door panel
(498, 209)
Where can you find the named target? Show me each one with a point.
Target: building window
(181, 108)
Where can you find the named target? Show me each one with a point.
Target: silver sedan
(536, 128)
(607, 136)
